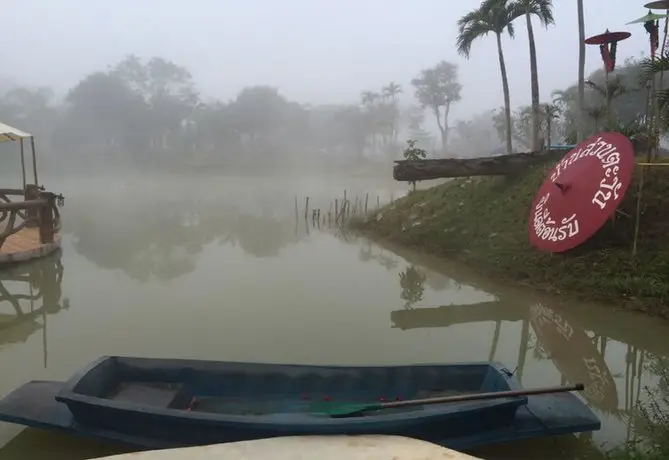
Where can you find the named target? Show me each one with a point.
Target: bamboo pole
(638, 213)
(32, 146)
(23, 164)
(296, 209)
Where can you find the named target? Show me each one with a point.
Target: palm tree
(391, 91)
(369, 100)
(581, 70)
(549, 113)
(650, 69)
(543, 9)
(493, 16)
(608, 92)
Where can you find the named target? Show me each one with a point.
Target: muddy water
(205, 270)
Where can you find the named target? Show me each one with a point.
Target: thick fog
(234, 85)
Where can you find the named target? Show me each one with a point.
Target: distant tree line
(151, 113)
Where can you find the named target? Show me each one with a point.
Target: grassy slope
(483, 222)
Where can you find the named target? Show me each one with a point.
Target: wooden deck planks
(25, 245)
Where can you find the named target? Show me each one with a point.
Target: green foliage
(649, 70)
(651, 426)
(542, 9)
(483, 221)
(412, 283)
(413, 153)
(492, 16)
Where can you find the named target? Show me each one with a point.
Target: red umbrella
(581, 192)
(607, 37)
(608, 52)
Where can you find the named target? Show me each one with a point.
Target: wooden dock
(29, 216)
(25, 245)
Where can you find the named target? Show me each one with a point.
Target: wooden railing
(37, 208)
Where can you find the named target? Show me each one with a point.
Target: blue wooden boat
(162, 403)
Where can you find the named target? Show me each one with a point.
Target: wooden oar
(334, 409)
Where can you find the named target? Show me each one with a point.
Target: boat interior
(261, 389)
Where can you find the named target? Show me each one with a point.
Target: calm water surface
(217, 269)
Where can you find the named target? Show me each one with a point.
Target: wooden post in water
(32, 147)
(378, 202)
(336, 210)
(342, 213)
(31, 192)
(23, 164)
(366, 200)
(45, 217)
(306, 209)
(296, 211)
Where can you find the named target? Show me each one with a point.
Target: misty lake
(219, 268)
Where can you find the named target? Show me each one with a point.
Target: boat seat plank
(150, 393)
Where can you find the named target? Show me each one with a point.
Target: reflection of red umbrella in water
(575, 356)
(581, 192)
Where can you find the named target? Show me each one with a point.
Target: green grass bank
(483, 222)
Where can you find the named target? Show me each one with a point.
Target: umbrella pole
(637, 218)
(609, 118)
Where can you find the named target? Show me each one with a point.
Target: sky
(314, 51)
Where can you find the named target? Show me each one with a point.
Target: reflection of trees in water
(412, 282)
(371, 251)
(365, 254)
(262, 236)
(649, 422)
(538, 351)
(164, 240)
(439, 282)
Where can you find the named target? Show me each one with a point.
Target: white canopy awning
(8, 133)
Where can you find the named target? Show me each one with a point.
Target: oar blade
(335, 409)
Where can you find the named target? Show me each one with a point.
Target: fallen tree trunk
(500, 165)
